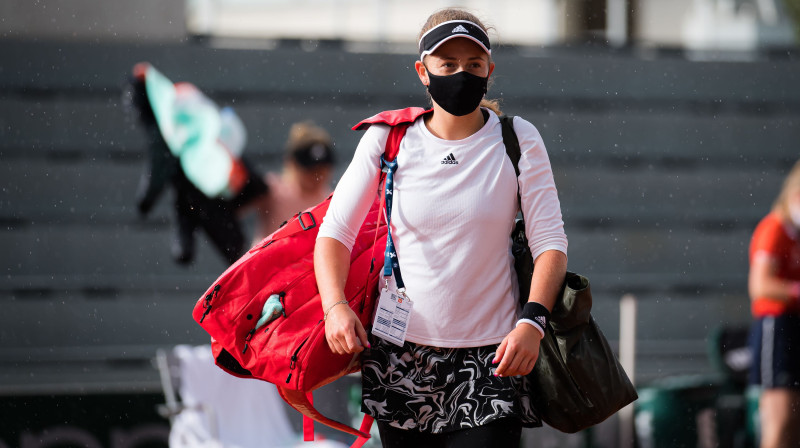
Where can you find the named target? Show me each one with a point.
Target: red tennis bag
(291, 351)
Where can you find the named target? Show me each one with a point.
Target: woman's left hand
(518, 352)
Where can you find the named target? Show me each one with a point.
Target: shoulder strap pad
(392, 117)
(396, 134)
(399, 120)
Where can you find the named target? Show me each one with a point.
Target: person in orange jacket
(774, 286)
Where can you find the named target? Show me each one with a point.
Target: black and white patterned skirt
(437, 390)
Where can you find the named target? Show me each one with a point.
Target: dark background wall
(88, 20)
(663, 165)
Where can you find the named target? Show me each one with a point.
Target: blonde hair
(306, 133)
(448, 14)
(790, 185)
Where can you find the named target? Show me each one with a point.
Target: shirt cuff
(347, 240)
(560, 246)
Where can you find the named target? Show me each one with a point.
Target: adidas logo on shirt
(450, 160)
(459, 29)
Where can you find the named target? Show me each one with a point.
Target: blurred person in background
(304, 181)
(194, 149)
(774, 287)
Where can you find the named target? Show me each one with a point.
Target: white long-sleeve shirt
(453, 211)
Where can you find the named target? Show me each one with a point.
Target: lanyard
(390, 261)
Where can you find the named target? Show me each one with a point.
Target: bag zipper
(295, 355)
(293, 362)
(247, 339)
(282, 300)
(289, 287)
(207, 302)
(252, 332)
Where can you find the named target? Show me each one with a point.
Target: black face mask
(458, 94)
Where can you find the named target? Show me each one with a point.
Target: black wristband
(537, 313)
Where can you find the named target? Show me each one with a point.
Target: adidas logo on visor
(450, 160)
(439, 34)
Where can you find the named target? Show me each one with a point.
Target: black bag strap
(511, 142)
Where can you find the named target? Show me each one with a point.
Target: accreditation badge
(391, 316)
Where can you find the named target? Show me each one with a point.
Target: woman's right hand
(344, 332)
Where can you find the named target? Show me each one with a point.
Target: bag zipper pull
(206, 307)
(281, 296)
(247, 339)
(207, 303)
(291, 367)
(293, 363)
